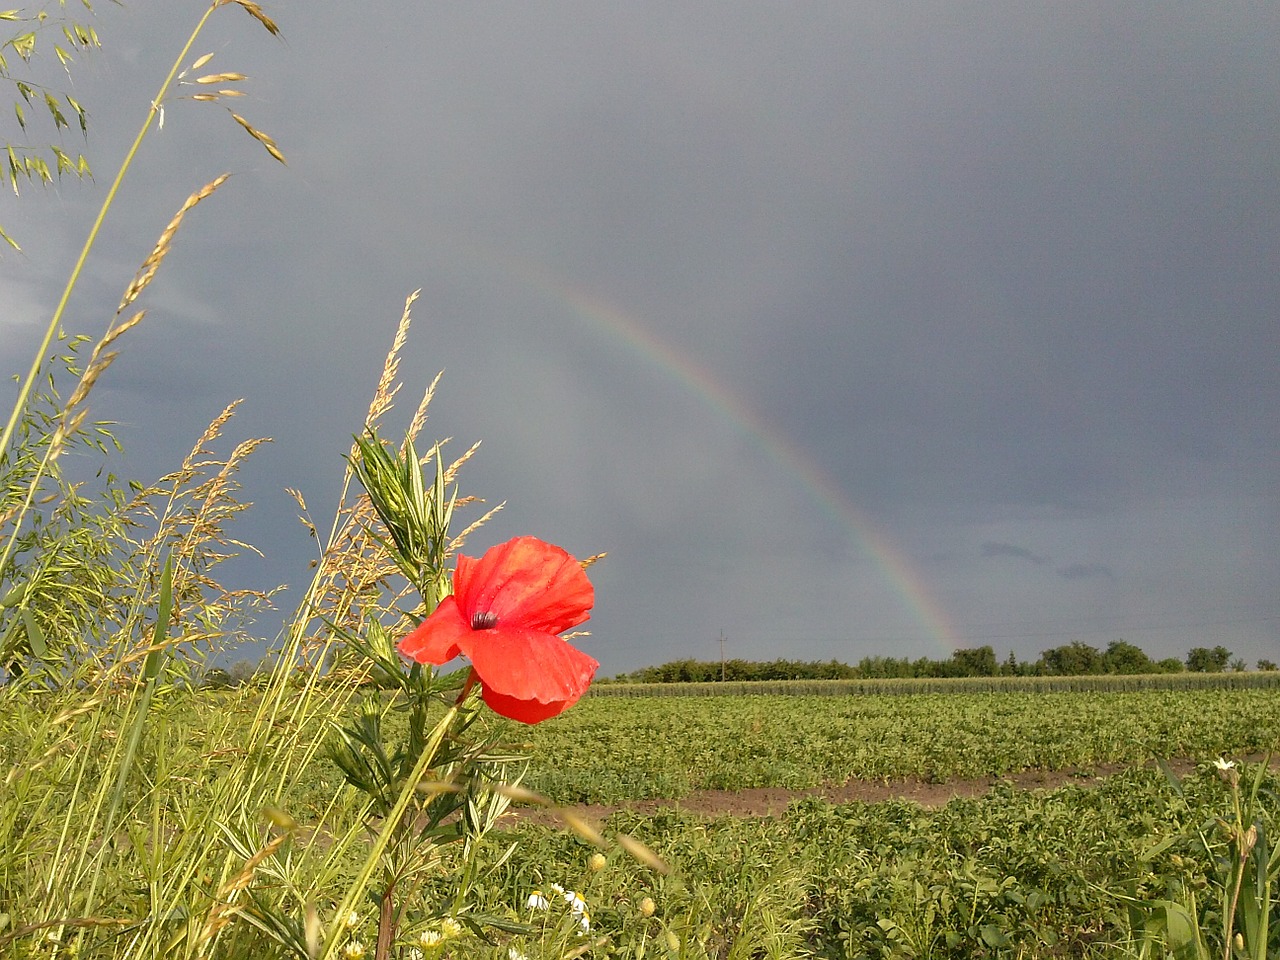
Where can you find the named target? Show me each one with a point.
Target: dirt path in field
(772, 801)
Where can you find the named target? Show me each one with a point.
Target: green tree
(1075, 659)
(1125, 658)
(1266, 665)
(1204, 660)
(977, 662)
(216, 679)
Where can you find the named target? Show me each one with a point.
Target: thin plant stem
(55, 321)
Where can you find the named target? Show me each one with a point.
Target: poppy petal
(524, 711)
(527, 583)
(437, 639)
(529, 666)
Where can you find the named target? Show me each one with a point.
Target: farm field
(1007, 872)
(1004, 872)
(610, 750)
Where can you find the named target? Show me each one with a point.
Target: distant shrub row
(922, 685)
(1070, 660)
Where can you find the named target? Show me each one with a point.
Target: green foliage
(696, 671)
(416, 516)
(1009, 874)
(1125, 658)
(1014, 683)
(611, 749)
(1076, 659)
(1204, 660)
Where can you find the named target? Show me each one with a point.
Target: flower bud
(597, 862)
(647, 907)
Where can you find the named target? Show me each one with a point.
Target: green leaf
(35, 636)
(993, 936)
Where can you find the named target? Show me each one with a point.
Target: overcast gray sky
(846, 329)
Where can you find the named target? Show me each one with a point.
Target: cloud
(991, 549)
(997, 279)
(1085, 571)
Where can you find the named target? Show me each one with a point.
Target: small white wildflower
(578, 907)
(416, 954)
(351, 920)
(514, 954)
(429, 938)
(1224, 765)
(353, 950)
(537, 901)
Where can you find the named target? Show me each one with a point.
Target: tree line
(1071, 659)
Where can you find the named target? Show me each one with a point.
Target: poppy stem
(466, 687)
(386, 923)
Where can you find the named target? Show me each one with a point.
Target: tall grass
(136, 821)
(119, 835)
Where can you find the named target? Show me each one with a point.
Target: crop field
(1091, 868)
(608, 750)
(1010, 873)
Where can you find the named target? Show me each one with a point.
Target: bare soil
(773, 801)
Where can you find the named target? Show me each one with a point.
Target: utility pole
(722, 656)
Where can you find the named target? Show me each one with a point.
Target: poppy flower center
(484, 620)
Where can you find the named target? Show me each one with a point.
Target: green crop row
(1009, 874)
(609, 750)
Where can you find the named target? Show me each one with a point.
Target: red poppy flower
(505, 615)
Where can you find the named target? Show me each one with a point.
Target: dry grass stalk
(420, 415)
(224, 908)
(146, 273)
(384, 393)
(261, 137)
(254, 11)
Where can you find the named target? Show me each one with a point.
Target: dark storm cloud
(1082, 571)
(991, 549)
(999, 273)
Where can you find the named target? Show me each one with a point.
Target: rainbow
(818, 483)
